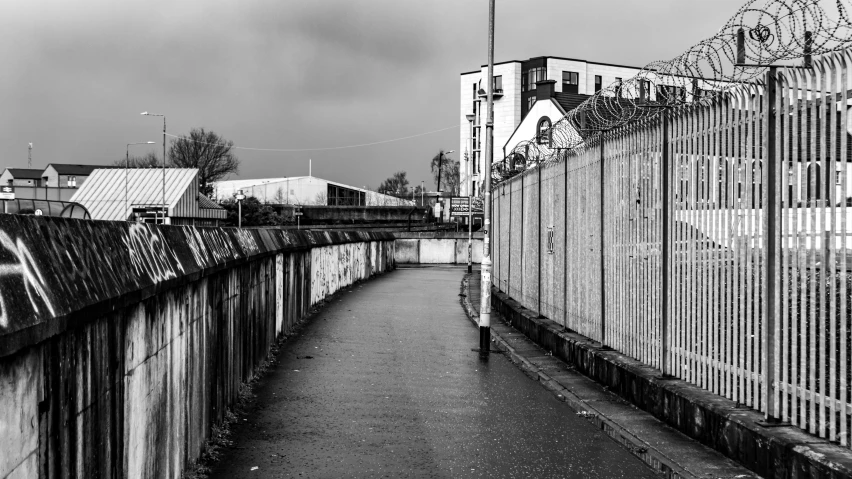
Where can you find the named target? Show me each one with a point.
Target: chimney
(545, 89)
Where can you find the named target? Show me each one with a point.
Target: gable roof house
(58, 175)
(21, 177)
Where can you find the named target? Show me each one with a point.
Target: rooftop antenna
(30, 156)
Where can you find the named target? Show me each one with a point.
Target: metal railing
(712, 242)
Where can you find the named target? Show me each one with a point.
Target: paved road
(392, 389)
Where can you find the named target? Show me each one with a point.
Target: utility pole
(485, 305)
(470, 118)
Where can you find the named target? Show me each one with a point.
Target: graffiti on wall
(24, 269)
(150, 254)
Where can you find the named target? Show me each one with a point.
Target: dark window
(543, 131)
(535, 75)
(474, 91)
(497, 84)
(618, 83)
(570, 82)
(530, 102)
(473, 189)
(598, 83)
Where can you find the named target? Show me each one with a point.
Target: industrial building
(137, 194)
(304, 190)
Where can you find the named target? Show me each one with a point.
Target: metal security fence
(711, 241)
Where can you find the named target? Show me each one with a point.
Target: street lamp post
(485, 304)
(164, 160)
(126, 166)
(470, 119)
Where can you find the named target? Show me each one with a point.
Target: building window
(474, 93)
(544, 131)
(497, 84)
(473, 189)
(670, 94)
(645, 90)
(598, 83)
(530, 102)
(570, 82)
(618, 84)
(533, 76)
(72, 181)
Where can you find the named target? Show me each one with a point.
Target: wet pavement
(383, 383)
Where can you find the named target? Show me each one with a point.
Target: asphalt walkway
(383, 383)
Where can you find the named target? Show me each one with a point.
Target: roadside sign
(297, 213)
(460, 205)
(240, 197)
(7, 192)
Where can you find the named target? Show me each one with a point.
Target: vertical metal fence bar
(749, 164)
(602, 186)
(802, 193)
(821, 104)
(785, 358)
(694, 305)
(830, 265)
(714, 252)
(666, 240)
(739, 257)
(701, 244)
(844, 271)
(812, 176)
(563, 212)
(730, 318)
(770, 250)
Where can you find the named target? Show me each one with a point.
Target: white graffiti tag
(26, 268)
(150, 254)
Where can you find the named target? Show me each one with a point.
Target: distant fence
(718, 236)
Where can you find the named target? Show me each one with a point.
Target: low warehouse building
(305, 190)
(136, 194)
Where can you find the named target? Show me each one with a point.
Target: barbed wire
(761, 33)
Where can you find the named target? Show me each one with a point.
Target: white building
(514, 96)
(304, 190)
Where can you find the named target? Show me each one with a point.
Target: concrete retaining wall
(122, 344)
(436, 248)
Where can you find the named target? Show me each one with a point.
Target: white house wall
(527, 129)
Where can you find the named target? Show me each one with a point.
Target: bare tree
(398, 184)
(148, 160)
(448, 169)
(207, 151)
(321, 199)
(279, 198)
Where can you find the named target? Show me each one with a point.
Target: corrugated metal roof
(103, 193)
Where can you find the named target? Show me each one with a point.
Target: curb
(658, 460)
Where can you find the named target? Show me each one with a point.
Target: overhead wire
(290, 150)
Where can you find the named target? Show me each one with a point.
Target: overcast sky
(293, 74)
